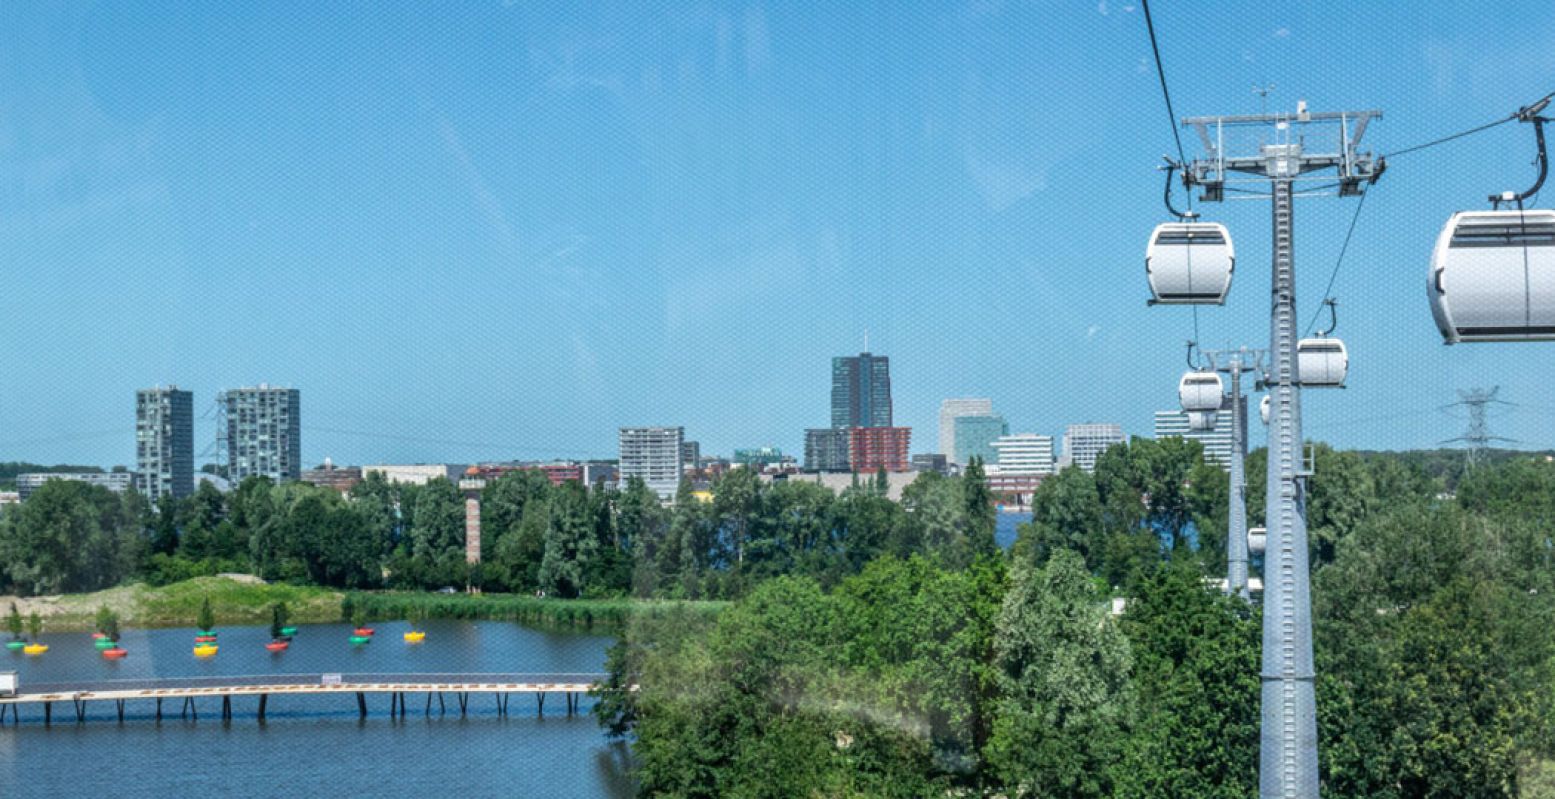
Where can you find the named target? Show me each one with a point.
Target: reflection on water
(315, 745)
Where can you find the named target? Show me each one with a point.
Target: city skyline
(354, 264)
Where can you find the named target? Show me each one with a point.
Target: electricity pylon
(1235, 363)
(1288, 767)
(1478, 437)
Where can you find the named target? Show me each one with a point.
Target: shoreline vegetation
(241, 599)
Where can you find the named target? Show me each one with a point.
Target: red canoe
(363, 631)
(277, 646)
(115, 653)
(205, 639)
(98, 635)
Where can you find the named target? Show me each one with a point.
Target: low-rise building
(415, 473)
(930, 462)
(340, 478)
(117, 482)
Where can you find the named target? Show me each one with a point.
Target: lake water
(1005, 529)
(314, 745)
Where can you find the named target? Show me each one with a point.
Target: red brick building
(873, 448)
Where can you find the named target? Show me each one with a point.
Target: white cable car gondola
(1257, 540)
(1200, 391)
(1492, 273)
(1201, 420)
(1263, 408)
(1322, 362)
(1190, 263)
(1493, 277)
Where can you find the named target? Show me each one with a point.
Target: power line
(1334, 275)
(1160, 71)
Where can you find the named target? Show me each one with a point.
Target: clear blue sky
(503, 228)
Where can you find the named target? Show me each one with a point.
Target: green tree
(1064, 671)
(34, 626)
(518, 554)
(1066, 513)
(206, 620)
(278, 618)
(569, 543)
(1195, 661)
(982, 517)
(13, 623)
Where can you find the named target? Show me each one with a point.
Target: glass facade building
(974, 437)
(861, 391)
(264, 432)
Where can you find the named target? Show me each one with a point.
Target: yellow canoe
(35, 649)
(415, 637)
(204, 651)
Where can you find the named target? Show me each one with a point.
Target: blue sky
(504, 228)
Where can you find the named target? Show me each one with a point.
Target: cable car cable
(1160, 71)
(1458, 135)
(1334, 275)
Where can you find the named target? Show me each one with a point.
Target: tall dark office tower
(861, 391)
(264, 432)
(164, 442)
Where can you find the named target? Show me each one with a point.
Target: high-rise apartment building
(826, 450)
(1024, 454)
(861, 391)
(873, 448)
(1084, 443)
(164, 442)
(948, 411)
(1216, 441)
(264, 432)
(974, 437)
(690, 455)
(653, 454)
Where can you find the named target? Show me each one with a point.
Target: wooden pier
(184, 691)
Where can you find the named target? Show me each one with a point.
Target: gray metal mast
(1239, 361)
(1288, 767)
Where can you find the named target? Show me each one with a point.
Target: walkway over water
(188, 689)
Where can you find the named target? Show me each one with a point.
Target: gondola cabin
(1190, 263)
(1322, 362)
(1200, 391)
(1257, 540)
(1263, 408)
(1493, 277)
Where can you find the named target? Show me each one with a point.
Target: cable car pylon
(1235, 363)
(1288, 765)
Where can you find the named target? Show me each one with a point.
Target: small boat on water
(205, 650)
(99, 636)
(104, 643)
(358, 640)
(115, 653)
(35, 649)
(288, 631)
(277, 646)
(15, 646)
(415, 637)
(365, 632)
(205, 639)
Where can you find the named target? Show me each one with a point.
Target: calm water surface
(314, 745)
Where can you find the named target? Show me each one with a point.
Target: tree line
(563, 540)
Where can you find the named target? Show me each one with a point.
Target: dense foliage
(932, 672)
